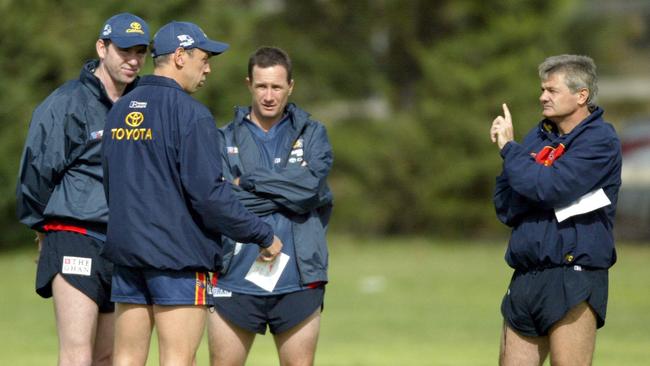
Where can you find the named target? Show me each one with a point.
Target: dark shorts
(76, 258)
(536, 300)
(150, 286)
(280, 312)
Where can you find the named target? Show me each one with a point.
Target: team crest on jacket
(297, 152)
(547, 155)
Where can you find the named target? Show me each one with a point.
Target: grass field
(389, 302)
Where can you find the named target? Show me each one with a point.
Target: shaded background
(407, 89)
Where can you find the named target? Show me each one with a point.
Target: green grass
(389, 302)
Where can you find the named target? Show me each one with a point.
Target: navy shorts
(77, 259)
(280, 312)
(148, 286)
(536, 300)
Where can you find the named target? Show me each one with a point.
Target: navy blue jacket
(297, 188)
(548, 171)
(60, 175)
(169, 203)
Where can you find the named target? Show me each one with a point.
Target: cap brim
(213, 47)
(128, 42)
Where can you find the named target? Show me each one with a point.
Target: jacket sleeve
(510, 206)
(297, 188)
(210, 195)
(258, 205)
(584, 166)
(54, 141)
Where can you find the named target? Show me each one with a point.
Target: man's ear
(583, 96)
(179, 57)
(101, 48)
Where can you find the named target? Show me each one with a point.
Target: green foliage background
(407, 88)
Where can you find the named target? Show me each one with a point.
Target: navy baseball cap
(125, 30)
(184, 34)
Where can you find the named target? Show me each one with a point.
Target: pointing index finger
(506, 112)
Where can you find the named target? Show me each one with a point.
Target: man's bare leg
(133, 324)
(76, 323)
(179, 330)
(519, 350)
(229, 344)
(573, 338)
(297, 346)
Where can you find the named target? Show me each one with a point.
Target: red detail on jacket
(56, 226)
(547, 155)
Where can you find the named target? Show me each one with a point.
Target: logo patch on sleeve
(97, 135)
(77, 265)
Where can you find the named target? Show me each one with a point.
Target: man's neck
(170, 72)
(566, 124)
(264, 123)
(113, 89)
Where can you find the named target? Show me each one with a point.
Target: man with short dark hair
(60, 192)
(169, 203)
(279, 159)
(558, 191)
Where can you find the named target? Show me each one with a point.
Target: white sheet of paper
(267, 274)
(587, 203)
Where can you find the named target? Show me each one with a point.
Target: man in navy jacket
(60, 193)
(279, 160)
(169, 202)
(570, 162)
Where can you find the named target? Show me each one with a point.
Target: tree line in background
(407, 89)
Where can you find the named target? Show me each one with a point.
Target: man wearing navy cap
(60, 193)
(169, 203)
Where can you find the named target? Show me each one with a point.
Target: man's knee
(297, 357)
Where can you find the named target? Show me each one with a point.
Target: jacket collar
(297, 116)
(158, 80)
(242, 136)
(550, 131)
(92, 82)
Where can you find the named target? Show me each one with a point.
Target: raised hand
(502, 131)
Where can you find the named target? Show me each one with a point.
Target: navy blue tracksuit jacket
(295, 190)
(168, 200)
(60, 178)
(549, 171)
